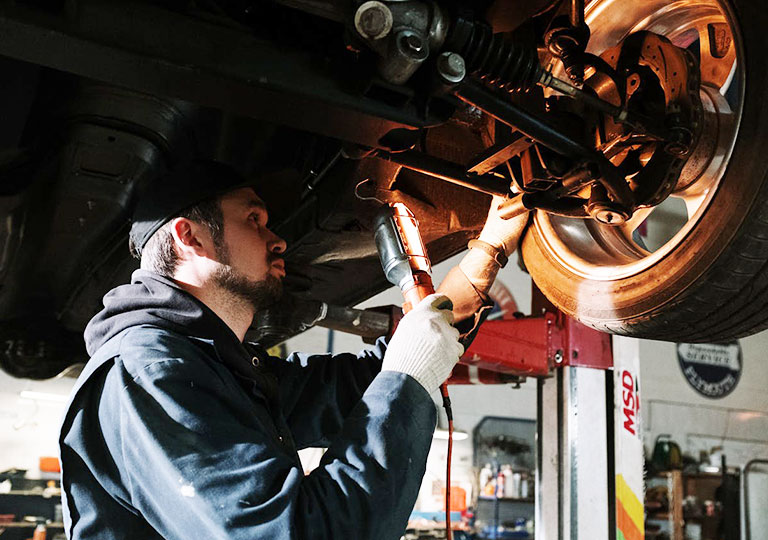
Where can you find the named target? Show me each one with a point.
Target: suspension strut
(504, 64)
(513, 66)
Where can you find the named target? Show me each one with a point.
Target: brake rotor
(650, 77)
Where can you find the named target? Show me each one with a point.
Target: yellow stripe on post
(630, 501)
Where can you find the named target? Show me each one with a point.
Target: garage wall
(738, 422)
(29, 427)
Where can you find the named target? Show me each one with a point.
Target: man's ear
(190, 238)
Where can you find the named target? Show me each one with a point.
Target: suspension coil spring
(505, 64)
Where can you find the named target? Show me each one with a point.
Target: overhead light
(458, 435)
(43, 396)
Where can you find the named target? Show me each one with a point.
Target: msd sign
(630, 398)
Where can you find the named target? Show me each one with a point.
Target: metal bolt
(412, 42)
(681, 142)
(676, 150)
(451, 67)
(373, 20)
(559, 357)
(608, 215)
(609, 218)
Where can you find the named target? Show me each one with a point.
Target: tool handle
(421, 288)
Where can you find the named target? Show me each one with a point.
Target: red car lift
(532, 347)
(589, 477)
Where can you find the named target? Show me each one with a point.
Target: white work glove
(501, 233)
(425, 345)
(481, 268)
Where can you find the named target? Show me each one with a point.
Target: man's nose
(277, 244)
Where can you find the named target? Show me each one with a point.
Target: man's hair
(159, 253)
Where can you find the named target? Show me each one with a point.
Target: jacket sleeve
(200, 461)
(318, 391)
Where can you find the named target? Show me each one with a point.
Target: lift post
(589, 477)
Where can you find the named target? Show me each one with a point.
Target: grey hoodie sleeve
(199, 460)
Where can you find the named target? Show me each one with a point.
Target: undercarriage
(588, 116)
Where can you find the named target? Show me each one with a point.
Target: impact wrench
(406, 264)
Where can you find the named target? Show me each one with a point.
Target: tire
(712, 286)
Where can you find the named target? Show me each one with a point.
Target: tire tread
(729, 300)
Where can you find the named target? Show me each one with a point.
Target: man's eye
(258, 219)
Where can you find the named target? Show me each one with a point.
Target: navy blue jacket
(177, 430)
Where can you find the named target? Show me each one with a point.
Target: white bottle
(516, 478)
(509, 483)
(486, 473)
(525, 485)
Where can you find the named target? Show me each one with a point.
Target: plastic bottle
(500, 484)
(40, 532)
(516, 484)
(486, 473)
(509, 487)
(525, 485)
(490, 488)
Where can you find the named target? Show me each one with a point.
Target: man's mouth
(280, 265)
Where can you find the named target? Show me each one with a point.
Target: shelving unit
(505, 509)
(530, 500)
(500, 441)
(704, 487)
(29, 503)
(673, 515)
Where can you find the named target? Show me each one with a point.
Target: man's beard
(259, 294)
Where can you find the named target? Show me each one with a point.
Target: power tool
(406, 264)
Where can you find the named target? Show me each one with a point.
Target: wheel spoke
(718, 55)
(617, 242)
(631, 233)
(692, 201)
(637, 219)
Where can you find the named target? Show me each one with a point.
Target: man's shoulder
(146, 346)
(151, 336)
(151, 361)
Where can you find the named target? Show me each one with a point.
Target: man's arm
(200, 460)
(319, 391)
(468, 283)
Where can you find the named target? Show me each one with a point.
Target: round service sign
(712, 370)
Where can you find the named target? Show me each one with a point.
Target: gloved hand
(501, 233)
(425, 345)
(479, 267)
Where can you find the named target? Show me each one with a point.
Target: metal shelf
(507, 499)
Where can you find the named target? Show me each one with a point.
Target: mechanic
(178, 429)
